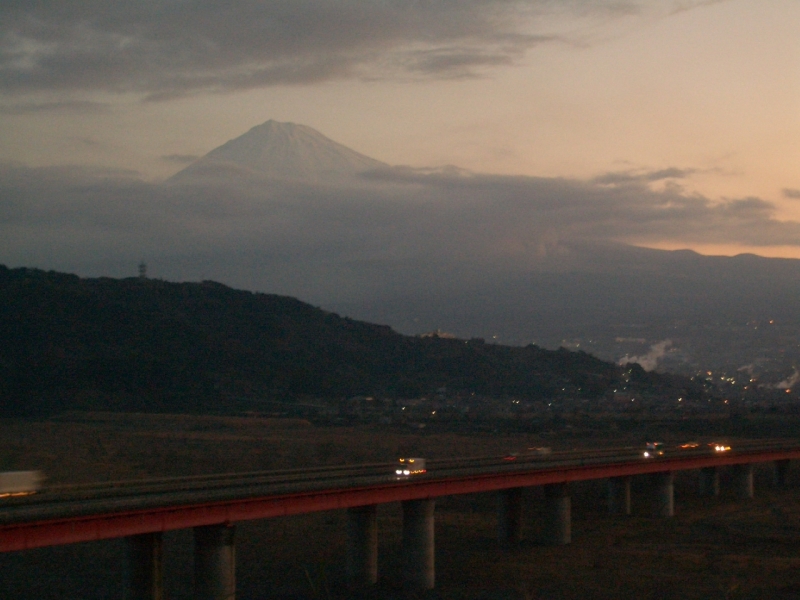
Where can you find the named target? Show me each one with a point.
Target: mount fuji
(280, 151)
(282, 208)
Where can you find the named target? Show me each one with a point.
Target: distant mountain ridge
(717, 312)
(284, 151)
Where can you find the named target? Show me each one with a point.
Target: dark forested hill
(151, 345)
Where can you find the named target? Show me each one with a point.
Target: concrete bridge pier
(619, 495)
(557, 529)
(362, 546)
(144, 567)
(418, 544)
(780, 472)
(509, 517)
(743, 481)
(664, 494)
(214, 563)
(709, 481)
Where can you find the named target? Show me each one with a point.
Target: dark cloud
(70, 106)
(791, 193)
(454, 62)
(671, 173)
(398, 229)
(466, 61)
(680, 7)
(164, 48)
(637, 177)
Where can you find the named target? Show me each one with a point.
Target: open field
(712, 548)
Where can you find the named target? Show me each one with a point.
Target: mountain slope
(151, 345)
(281, 150)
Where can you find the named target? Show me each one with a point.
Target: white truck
(20, 483)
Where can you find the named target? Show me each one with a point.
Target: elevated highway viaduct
(140, 511)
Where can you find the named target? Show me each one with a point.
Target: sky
(668, 124)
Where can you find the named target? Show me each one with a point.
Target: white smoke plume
(749, 369)
(650, 360)
(789, 382)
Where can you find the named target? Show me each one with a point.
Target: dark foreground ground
(713, 548)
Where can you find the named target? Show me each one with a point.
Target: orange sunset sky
(568, 89)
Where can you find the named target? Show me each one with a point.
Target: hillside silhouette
(147, 345)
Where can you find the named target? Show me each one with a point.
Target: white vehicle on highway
(653, 449)
(20, 483)
(406, 467)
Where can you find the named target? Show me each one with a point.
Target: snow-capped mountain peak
(281, 150)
